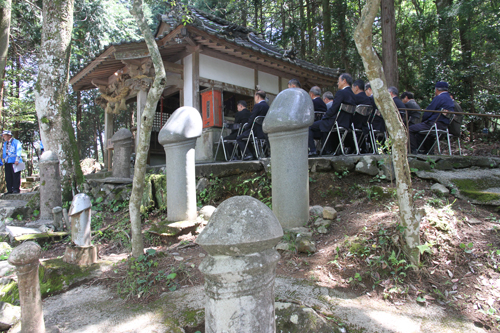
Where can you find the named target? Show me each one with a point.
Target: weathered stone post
(58, 223)
(241, 267)
(178, 137)
(26, 259)
(82, 252)
(122, 145)
(287, 123)
(50, 184)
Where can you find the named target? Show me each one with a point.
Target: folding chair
(375, 134)
(223, 142)
(361, 115)
(341, 131)
(438, 134)
(259, 144)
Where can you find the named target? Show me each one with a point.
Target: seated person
(328, 99)
(399, 104)
(320, 128)
(319, 104)
(294, 83)
(414, 116)
(441, 101)
(259, 109)
(359, 122)
(241, 118)
(377, 120)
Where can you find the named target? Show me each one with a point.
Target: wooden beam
(173, 67)
(170, 36)
(90, 67)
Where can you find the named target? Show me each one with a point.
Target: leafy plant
(467, 247)
(141, 276)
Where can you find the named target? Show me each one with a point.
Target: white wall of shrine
(215, 69)
(188, 80)
(269, 83)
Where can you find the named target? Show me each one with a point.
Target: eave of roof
(213, 26)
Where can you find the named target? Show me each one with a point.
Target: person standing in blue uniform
(441, 101)
(12, 149)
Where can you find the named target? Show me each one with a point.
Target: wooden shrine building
(207, 56)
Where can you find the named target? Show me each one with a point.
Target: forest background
(451, 40)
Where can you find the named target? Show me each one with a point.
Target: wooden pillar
(108, 133)
(256, 78)
(191, 77)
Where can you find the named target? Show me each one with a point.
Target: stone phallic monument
(26, 259)
(122, 145)
(241, 267)
(58, 223)
(50, 184)
(287, 123)
(81, 252)
(178, 137)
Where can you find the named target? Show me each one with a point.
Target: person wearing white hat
(12, 149)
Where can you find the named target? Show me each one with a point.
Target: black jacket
(399, 103)
(319, 105)
(358, 120)
(345, 96)
(242, 117)
(259, 109)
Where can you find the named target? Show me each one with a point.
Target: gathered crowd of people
(349, 121)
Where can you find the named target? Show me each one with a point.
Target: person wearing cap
(12, 149)
(442, 100)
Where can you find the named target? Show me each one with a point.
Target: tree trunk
(51, 91)
(341, 7)
(464, 19)
(79, 139)
(389, 54)
(145, 132)
(327, 26)
(243, 9)
(310, 25)
(445, 30)
(5, 13)
(410, 217)
(302, 30)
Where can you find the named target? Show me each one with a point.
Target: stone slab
(479, 186)
(19, 231)
(114, 180)
(9, 315)
(174, 229)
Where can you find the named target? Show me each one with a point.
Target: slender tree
(51, 91)
(410, 217)
(141, 156)
(5, 13)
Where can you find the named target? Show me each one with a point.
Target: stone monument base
(80, 255)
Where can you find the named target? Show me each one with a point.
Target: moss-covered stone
(55, 276)
(477, 189)
(159, 183)
(147, 202)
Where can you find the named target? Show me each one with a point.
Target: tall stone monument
(26, 259)
(241, 267)
(50, 184)
(122, 145)
(81, 251)
(178, 137)
(287, 123)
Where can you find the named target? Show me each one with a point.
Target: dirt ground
(359, 253)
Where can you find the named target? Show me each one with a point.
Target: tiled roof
(212, 25)
(245, 37)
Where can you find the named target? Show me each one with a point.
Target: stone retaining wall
(373, 165)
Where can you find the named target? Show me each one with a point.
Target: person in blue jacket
(12, 149)
(441, 101)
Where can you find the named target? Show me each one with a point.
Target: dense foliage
(451, 40)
